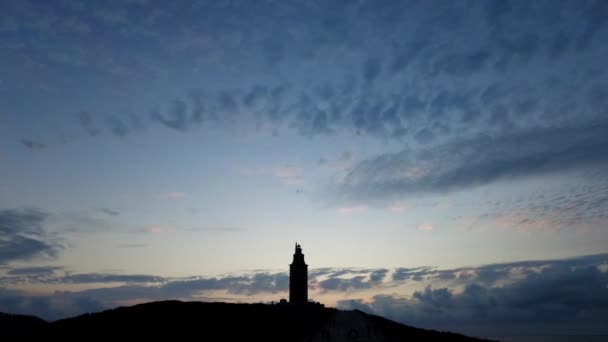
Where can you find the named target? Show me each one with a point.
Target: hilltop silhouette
(222, 322)
(296, 320)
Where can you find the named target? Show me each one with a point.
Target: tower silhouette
(298, 278)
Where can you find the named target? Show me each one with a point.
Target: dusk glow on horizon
(443, 164)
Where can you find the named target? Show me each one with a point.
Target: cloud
(371, 69)
(408, 94)
(347, 279)
(565, 296)
(554, 207)
(416, 273)
(85, 278)
(111, 17)
(473, 162)
(33, 145)
(532, 296)
(110, 212)
(117, 126)
(22, 236)
(339, 162)
(175, 195)
(132, 245)
(398, 207)
(351, 209)
(290, 174)
(425, 227)
(86, 122)
(33, 270)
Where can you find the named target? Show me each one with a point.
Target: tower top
(298, 256)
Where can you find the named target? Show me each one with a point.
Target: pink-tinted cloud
(351, 209)
(289, 174)
(414, 173)
(425, 227)
(158, 229)
(175, 195)
(155, 230)
(398, 207)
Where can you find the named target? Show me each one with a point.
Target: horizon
(443, 164)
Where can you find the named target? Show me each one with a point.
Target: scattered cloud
(463, 299)
(478, 161)
(33, 270)
(559, 297)
(22, 236)
(501, 71)
(33, 145)
(86, 122)
(85, 278)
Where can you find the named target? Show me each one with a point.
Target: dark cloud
(22, 236)
(33, 145)
(597, 14)
(32, 274)
(85, 278)
(177, 116)
(335, 281)
(340, 284)
(451, 99)
(86, 122)
(110, 212)
(392, 53)
(117, 126)
(564, 296)
(371, 69)
(531, 292)
(478, 161)
(378, 275)
(416, 273)
(464, 65)
(34, 270)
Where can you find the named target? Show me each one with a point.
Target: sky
(443, 164)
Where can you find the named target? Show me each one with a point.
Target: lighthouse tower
(298, 278)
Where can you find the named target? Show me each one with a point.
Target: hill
(222, 322)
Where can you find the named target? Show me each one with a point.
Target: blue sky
(146, 143)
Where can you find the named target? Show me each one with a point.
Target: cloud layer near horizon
(527, 295)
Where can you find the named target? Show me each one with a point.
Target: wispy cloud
(174, 195)
(474, 162)
(398, 207)
(33, 145)
(346, 210)
(290, 174)
(109, 212)
(425, 227)
(132, 245)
